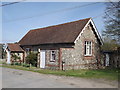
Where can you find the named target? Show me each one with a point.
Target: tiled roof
(14, 47)
(63, 33)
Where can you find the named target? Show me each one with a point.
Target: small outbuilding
(112, 58)
(14, 53)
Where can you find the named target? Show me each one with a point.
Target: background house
(14, 53)
(112, 58)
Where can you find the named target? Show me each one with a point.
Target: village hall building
(72, 45)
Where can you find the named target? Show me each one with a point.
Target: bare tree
(112, 21)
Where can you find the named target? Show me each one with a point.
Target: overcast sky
(19, 18)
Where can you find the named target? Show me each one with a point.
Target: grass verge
(0, 62)
(108, 74)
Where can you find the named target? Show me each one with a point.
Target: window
(18, 54)
(52, 56)
(88, 48)
(27, 51)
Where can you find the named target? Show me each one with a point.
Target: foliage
(15, 57)
(20, 64)
(112, 20)
(2, 51)
(16, 63)
(12, 63)
(109, 45)
(25, 65)
(32, 59)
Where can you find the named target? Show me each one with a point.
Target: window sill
(52, 61)
(88, 55)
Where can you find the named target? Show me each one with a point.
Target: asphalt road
(12, 78)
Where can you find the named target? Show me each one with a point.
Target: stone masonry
(74, 57)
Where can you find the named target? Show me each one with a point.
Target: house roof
(62, 33)
(14, 47)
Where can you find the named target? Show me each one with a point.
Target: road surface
(13, 78)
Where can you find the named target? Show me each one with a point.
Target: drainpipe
(38, 57)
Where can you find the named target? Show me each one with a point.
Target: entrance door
(42, 59)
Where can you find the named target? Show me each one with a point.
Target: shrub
(32, 59)
(25, 65)
(16, 63)
(19, 64)
(15, 57)
(12, 63)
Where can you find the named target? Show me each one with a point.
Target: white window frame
(87, 46)
(51, 59)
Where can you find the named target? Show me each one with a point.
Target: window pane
(52, 55)
(85, 49)
(27, 51)
(88, 48)
(53, 52)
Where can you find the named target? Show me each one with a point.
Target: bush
(19, 64)
(32, 59)
(15, 57)
(25, 65)
(16, 63)
(12, 63)
(4, 63)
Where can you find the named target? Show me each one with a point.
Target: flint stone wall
(75, 59)
(52, 64)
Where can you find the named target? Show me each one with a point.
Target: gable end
(95, 31)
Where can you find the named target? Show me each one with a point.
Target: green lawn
(2, 62)
(109, 74)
